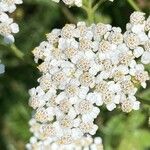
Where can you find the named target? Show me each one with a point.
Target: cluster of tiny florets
(82, 69)
(7, 26)
(43, 131)
(137, 36)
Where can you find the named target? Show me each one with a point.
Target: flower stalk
(16, 51)
(87, 6)
(134, 5)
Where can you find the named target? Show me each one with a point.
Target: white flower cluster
(84, 143)
(138, 36)
(7, 26)
(77, 3)
(83, 68)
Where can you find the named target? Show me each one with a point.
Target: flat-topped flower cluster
(47, 143)
(84, 68)
(7, 26)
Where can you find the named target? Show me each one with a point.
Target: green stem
(98, 4)
(90, 13)
(89, 10)
(16, 51)
(68, 15)
(134, 5)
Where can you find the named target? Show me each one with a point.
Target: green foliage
(127, 132)
(36, 18)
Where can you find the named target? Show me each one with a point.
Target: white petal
(14, 28)
(143, 84)
(72, 113)
(143, 37)
(2, 68)
(94, 97)
(93, 131)
(33, 140)
(87, 118)
(3, 17)
(76, 133)
(136, 105)
(138, 52)
(145, 59)
(111, 106)
(95, 112)
(117, 99)
(138, 28)
(132, 64)
(83, 92)
(18, 1)
(60, 97)
(9, 39)
(12, 8)
(89, 54)
(115, 88)
(77, 122)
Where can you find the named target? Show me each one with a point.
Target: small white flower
(139, 74)
(95, 98)
(44, 115)
(137, 17)
(36, 100)
(9, 5)
(138, 52)
(130, 104)
(7, 28)
(138, 27)
(131, 40)
(110, 99)
(127, 86)
(145, 59)
(87, 109)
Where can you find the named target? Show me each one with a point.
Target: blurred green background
(119, 131)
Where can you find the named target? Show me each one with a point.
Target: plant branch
(87, 6)
(134, 5)
(16, 51)
(68, 14)
(98, 4)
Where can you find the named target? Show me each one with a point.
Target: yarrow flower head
(7, 27)
(84, 67)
